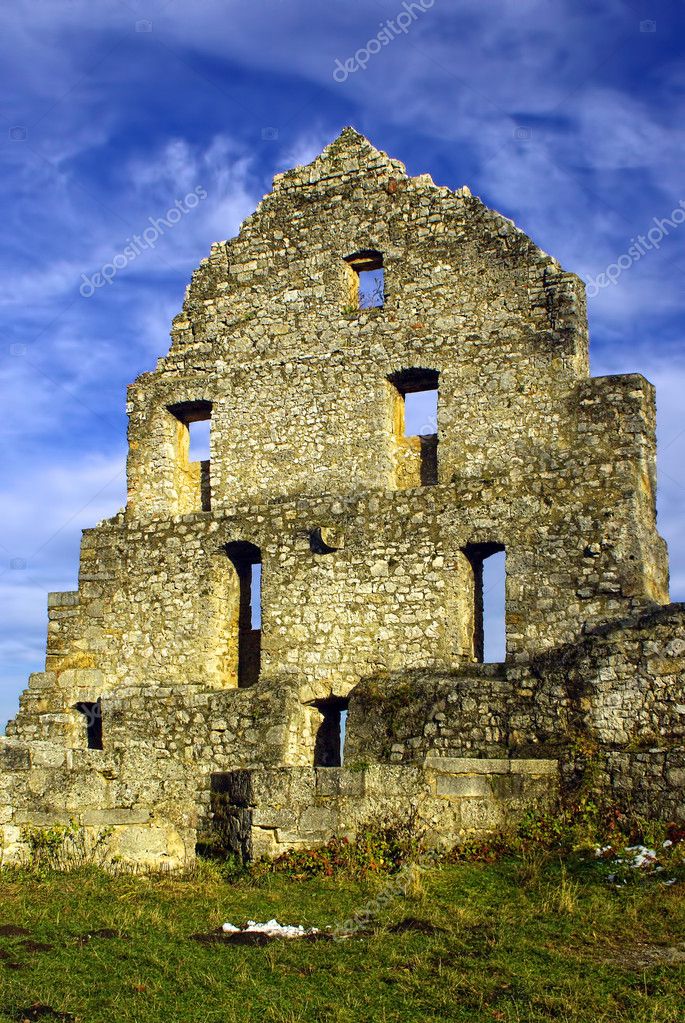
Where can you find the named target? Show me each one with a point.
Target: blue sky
(563, 114)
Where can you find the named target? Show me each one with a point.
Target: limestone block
(463, 786)
(318, 820)
(334, 781)
(13, 757)
(266, 817)
(35, 818)
(43, 755)
(534, 767)
(467, 765)
(151, 846)
(114, 816)
(482, 815)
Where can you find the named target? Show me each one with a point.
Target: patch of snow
(642, 856)
(272, 928)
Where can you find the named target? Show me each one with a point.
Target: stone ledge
(113, 817)
(40, 819)
(65, 598)
(475, 766)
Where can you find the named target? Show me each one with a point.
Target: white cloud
(43, 499)
(45, 507)
(303, 149)
(667, 372)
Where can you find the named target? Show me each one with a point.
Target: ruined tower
(324, 561)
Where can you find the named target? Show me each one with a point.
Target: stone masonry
(171, 680)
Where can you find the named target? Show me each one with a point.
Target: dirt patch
(236, 938)
(255, 938)
(39, 1011)
(13, 931)
(413, 924)
(36, 946)
(27, 945)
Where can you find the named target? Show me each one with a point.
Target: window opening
(416, 425)
(488, 561)
(421, 413)
(256, 596)
(366, 280)
(330, 737)
(247, 562)
(199, 440)
(92, 713)
(193, 449)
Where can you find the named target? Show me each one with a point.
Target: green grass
(522, 941)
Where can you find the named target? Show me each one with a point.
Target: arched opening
(246, 559)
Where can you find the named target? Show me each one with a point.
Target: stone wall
(303, 406)
(623, 685)
(157, 601)
(268, 318)
(366, 537)
(619, 692)
(650, 783)
(413, 715)
(265, 724)
(270, 810)
(302, 392)
(145, 796)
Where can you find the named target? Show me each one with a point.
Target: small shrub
(383, 845)
(66, 847)
(480, 850)
(581, 817)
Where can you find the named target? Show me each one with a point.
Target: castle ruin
(325, 565)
